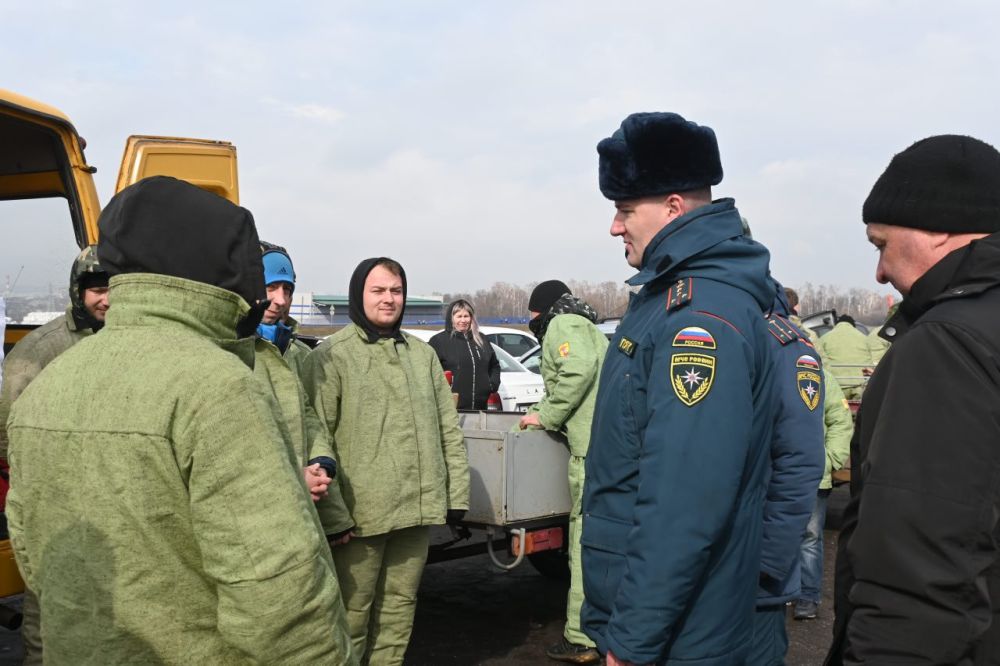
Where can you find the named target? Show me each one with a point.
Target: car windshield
(507, 362)
(532, 361)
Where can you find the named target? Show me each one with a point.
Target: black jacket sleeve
(494, 367)
(924, 535)
(439, 342)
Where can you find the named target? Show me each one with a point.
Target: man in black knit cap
(572, 352)
(918, 568)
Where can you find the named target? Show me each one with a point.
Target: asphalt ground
(470, 613)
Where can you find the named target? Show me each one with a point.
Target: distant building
(305, 310)
(419, 310)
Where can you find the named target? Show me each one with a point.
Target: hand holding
(529, 420)
(317, 481)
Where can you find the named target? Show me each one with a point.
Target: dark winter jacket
(475, 368)
(679, 451)
(918, 565)
(797, 456)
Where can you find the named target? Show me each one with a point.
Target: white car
(519, 387)
(512, 340)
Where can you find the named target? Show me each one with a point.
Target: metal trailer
(518, 495)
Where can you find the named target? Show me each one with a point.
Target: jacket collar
(73, 322)
(363, 334)
(967, 271)
(161, 301)
(688, 236)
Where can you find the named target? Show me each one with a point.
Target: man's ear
(938, 239)
(675, 205)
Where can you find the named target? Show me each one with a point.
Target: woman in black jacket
(470, 358)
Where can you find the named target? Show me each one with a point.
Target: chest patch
(694, 336)
(691, 376)
(564, 349)
(626, 346)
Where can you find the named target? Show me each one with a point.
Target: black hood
(170, 227)
(567, 304)
(356, 299)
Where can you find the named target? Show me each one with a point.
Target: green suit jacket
(156, 507)
(572, 353)
(303, 428)
(28, 357)
(394, 429)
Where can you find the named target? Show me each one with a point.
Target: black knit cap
(945, 183)
(658, 153)
(546, 294)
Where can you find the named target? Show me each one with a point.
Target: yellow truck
(42, 157)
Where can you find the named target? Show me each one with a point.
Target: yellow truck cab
(42, 158)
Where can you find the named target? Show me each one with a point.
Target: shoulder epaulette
(680, 293)
(781, 329)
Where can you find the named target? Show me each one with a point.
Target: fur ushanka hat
(658, 153)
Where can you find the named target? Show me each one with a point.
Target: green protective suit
(838, 427)
(28, 357)
(877, 346)
(303, 429)
(34, 351)
(156, 508)
(845, 352)
(403, 464)
(296, 352)
(295, 356)
(572, 353)
(813, 338)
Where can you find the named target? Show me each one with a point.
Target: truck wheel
(552, 564)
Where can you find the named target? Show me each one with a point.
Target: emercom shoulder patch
(694, 336)
(626, 346)
(564, 349)
(691, 376)
(809, 380)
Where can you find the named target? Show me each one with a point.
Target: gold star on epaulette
(680, 293)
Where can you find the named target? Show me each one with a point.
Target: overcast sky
(459, 137)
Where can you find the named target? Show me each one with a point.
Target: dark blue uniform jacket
(680, 451)
(797, 456)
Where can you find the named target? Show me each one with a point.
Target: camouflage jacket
(35, 351)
